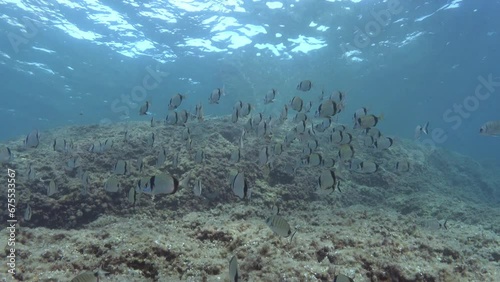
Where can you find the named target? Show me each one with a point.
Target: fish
(235, 156)
(265, 156)
(120, 167)
(328, 180)
(270, 96)
(368, 167)
(361, 112)
(152, 122)
(107, 145)
(289, 137)
(176, 101)
(328, 162)
(240, 186)
(150, 141)
(87, 276)
(73, 163)
(163, 183)
(199, 157)
(308, 106)
(372, 132)
(132, 196)
(32, 139)
(59, 145)
(297, 103)
(96, 147)
(284, 114)
(175, 160)
(402, 166)
(421, 129)
(197, 187)
(280, 226)
(263, 129)
(235, 115)
(323, 126)
(301, 127)
(383, 143)
(189, 144)
(304, 85)
(162, 156)
(85, 177)
(327, 109)
(299, 117)
(144, 109)
(342, 278)
(31, 173)
(346, 152)
(490, 128)
(338, 96)
(186, 133)
(313, 144)
(234, 271)
(112, 185)
(172, 118)
(182, 117)
(5, 155)
(242, 137)
(199, 112)
(52, 188)
(139, 164)
(313, 159)
(278, 149)
(28, 212)
(367, 141)
(368, 121)
(245, 109)
(215, 95)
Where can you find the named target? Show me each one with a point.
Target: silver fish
(120, 167)
(59, 145)
(52, 188)
(234, 271)
(96, 147)
(240, 186)
(31, 172)
(326, 181)
(284, 113)
(245, 110)
(112, 185)
(383, 143)
(176, 101)
(32, 139)
(144, 109)
(297, 103)
(235, 156)
(175, 160)
(342, 278)
(280, 226)
(139, 164)
(235, 115)
(162, 156)
(264, 156)
(327, 109)
(402, 166)
(182, 117)
(304, 85)
(197, 188)
(150, 141)
(491, 128)
(28, 213)
(5, 155)
(199, 112)
(107, 145)
(199, 157)
(270, 96)
(300, 117)
(313, 160)
(215, 95)
(163, 184)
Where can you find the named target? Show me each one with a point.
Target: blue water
(66, 64)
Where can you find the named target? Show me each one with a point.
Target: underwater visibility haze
(185, 140)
